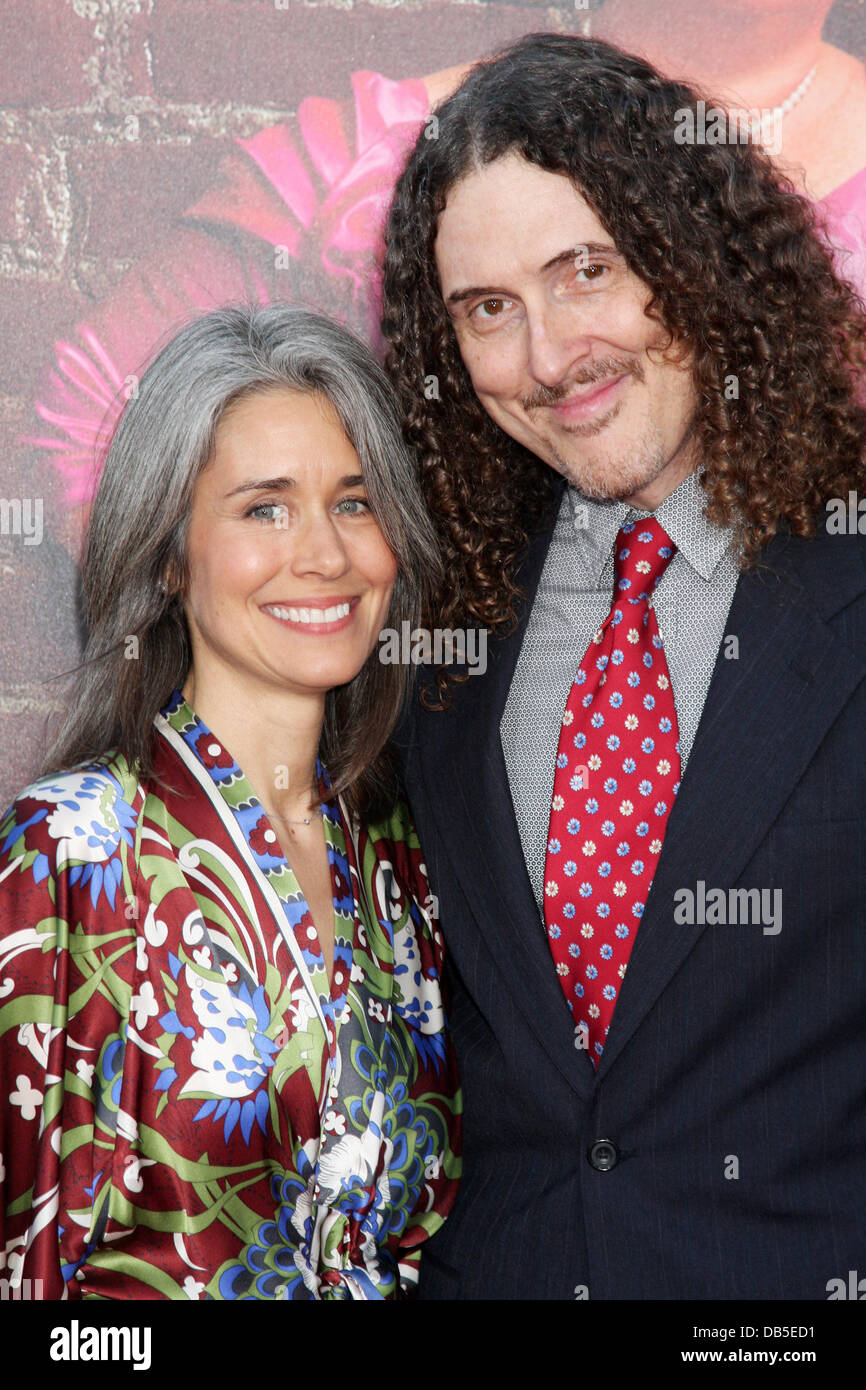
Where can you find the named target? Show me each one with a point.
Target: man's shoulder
(829, 562)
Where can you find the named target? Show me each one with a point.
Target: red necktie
(617, 773)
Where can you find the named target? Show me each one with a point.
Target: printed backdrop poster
(159, 157)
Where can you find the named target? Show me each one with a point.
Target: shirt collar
(681, 514)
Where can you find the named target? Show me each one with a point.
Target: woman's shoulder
(94, 786)
(83, 808)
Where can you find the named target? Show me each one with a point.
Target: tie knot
(642, 553)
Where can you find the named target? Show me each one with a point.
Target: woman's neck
(727, 49)
(273, 735)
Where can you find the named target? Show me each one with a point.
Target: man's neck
(647, 498)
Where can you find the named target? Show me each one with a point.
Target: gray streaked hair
(138, 527)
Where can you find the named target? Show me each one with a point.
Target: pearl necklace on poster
(782, 109)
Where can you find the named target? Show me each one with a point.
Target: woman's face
(289, 575)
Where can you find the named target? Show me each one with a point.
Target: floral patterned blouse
(187, 1108)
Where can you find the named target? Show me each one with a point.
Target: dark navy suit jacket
(733, 1081)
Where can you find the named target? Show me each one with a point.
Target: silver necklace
(307, 820)
(285, 820)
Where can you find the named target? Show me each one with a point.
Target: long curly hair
(738, 272)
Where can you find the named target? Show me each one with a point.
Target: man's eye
(485, 304)
(592, 272)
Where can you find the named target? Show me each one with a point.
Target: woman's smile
(316, 617)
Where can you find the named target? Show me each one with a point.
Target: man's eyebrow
(285, 483)
(589, 248)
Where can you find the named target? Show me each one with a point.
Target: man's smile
(586, 402)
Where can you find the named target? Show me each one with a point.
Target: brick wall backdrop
(114, 117)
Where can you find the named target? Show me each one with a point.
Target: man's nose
(555, 344)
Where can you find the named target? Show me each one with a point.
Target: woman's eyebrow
(262, 485)
(284, 483)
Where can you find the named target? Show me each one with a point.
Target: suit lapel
(765, 715)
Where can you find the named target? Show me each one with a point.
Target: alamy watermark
(86, 1343)
(22, 516)
(23, 1290)
(736, 907)
(846, 517)
(443, 646)
(853, 1288)
(713, 125)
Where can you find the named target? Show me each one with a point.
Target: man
(630, 374)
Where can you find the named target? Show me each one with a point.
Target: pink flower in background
(84, 391)
(305, 186)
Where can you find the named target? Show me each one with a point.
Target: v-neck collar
(238, 796)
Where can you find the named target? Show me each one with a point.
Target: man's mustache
(585, 376)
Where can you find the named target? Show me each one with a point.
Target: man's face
(551, 326)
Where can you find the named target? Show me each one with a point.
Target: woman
(225, 1072)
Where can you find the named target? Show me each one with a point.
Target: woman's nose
(316, 543)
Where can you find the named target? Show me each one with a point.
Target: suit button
(603, 1155)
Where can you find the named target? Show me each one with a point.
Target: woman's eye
(266, 511)
(349, 506)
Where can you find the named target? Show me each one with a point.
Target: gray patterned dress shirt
(574, 597)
